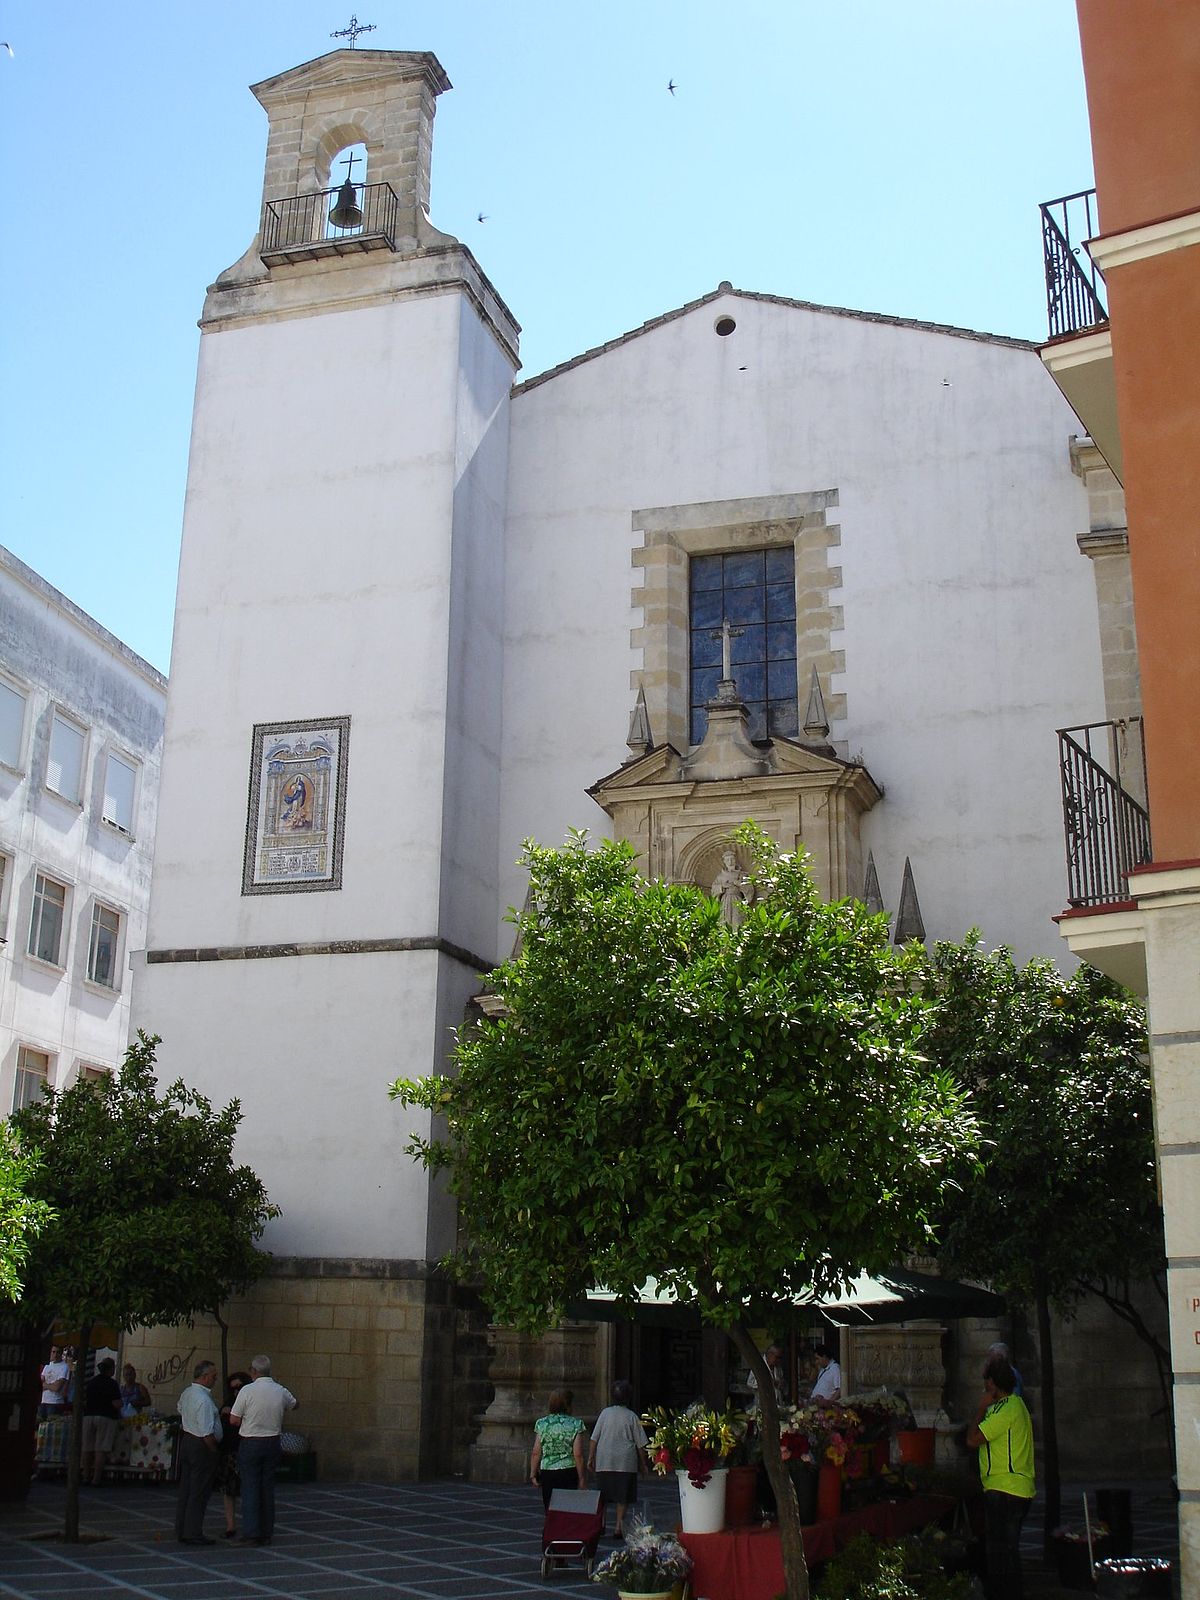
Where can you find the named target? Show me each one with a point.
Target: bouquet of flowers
(647, 1563)
(817, 1433)
(880, 1413)
(695, 1439)
(794, 1442)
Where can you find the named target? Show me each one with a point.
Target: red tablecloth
(746, 1563)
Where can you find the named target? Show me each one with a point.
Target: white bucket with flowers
(695, 1444)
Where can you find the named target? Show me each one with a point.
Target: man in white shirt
(828, 1387)
(773, 1356)
(258, 1413)
(56, 1375)
(199, 1436)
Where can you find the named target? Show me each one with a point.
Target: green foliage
(1061, 1084)
(907, 1569)
(154, 1220)
(741, 1114)
(22, 1217)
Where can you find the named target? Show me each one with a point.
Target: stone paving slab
(435, 1541)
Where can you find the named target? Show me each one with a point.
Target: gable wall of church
(967, 618)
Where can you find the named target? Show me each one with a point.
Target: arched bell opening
(348, 182)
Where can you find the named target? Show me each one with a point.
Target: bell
(346, 212)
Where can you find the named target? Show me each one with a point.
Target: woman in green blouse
(557, 1458)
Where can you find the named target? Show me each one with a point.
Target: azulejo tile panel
(296, 806)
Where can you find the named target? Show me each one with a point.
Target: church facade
(757, 558)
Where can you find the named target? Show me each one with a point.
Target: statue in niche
(731, 888)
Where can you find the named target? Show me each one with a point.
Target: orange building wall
(1141, 59)
(1155, 305)
(1142, 64)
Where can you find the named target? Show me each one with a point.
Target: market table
(747, 1564)
(144, 1447)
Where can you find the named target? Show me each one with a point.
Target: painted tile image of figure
(296, 813)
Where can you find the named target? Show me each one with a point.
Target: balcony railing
(298, 228)
(1075, 293)
(1107, 829)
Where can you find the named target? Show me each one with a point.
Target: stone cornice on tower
(342, 67)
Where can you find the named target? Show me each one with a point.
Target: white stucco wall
(59, 657)
(314, 581)
(309, 1046)
(475, 644)
(342, 556)
(970, 622)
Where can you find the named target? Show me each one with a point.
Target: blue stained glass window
(706, 609)
(706, 649)
(705, 572)
(746, 605)
(781, 680)
(745, 568)
(781, 602)
(781, 641)
(783, 719)
(781, 565)
(754, 591)
(752, 681)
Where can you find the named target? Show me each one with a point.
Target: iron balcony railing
(1075, 293)
(298, 228)
(1107, 828)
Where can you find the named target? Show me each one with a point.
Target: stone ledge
(353, 1267)
(326, 947)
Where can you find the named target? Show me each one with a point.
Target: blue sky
(888, 157)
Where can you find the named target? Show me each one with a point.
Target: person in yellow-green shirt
(1003, 1435)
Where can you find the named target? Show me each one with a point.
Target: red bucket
(916, 1446)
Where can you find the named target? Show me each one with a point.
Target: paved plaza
(435, 1541)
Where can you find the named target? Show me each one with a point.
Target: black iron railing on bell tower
(1075, 292)
(301, 227)
(1107, 828)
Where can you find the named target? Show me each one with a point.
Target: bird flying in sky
(671, 87)
(481, 217)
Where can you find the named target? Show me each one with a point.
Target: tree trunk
(224, 1327)
(1049, 1423)
(791, 1542)
(75, 1439)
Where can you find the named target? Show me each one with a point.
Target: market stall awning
(897, 1295)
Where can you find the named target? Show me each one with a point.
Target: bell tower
(383, 101)
(325, 884)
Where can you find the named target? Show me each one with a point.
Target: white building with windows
(81, 727)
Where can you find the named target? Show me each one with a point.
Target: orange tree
(743, 1114)
(154, 1221)
(22, 1218)
(1064, 1201)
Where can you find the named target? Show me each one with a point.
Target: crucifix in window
(727, 634)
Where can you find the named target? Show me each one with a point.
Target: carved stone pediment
(679, 820)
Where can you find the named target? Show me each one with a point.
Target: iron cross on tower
(727, 635)
(352, 32)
